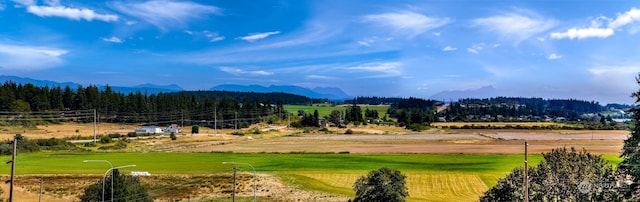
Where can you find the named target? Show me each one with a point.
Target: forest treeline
(228, 109)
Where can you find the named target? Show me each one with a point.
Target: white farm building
(148, 129)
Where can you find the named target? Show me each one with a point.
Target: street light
(105, 174)
(254, 176)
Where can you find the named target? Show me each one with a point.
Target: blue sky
(539, 48)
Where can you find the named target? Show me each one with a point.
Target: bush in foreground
(126, 188)
(384, 184)
(562, 176)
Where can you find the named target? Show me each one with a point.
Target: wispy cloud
(597, 28)
(19, 57)
(449, 48)
(626, 18)
(165, 14)
(407, 22)
(516, 26)
(615, 71)
(258, 36)
(583, 33)
(113, 39)
(474, 51)
(241, 72)
(554, 56)
(320, 77)
(211, 36)
(389, 69)
(70, 13)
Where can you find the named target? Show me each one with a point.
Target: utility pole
(233, 194)
(215, 120)
(94, 125)
(526, 174)
(182, 118)
(236, 120)
(289, 120)
(40, 196)
(13, 166)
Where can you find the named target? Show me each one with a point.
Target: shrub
(132, 134)
(115, 135)
(195, 129)
(238, 133)
(105, 140)
(173, 136)
(90, 144)
(348, 132)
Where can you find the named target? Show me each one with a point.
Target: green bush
(173, 136)
(348, 132)
(132, 134)
(105, 140)
(115, 135)
(90, 144)
(238, 133)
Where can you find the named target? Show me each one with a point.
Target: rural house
(173, 128)
(148, 129)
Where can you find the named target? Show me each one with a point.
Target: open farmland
(440, 165)
(325, 109)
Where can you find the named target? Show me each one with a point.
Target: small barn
(148, 129)
(173, 128)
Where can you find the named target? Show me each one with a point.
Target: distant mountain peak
(322, 92)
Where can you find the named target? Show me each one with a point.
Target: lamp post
(254, 176)
(105, 174)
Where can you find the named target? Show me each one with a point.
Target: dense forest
(31, 103)
(506, 107)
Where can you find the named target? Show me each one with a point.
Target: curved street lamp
(254, 176)
(105, 174)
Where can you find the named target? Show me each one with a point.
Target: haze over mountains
(331, 93)
(318, 92)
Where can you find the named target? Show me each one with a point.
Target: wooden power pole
(13, 166)
(526, 174)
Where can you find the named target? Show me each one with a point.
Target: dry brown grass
(164, 187)
(499, 124)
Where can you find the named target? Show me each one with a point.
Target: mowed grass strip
(430, 177)
(422, 186)
(204, 163)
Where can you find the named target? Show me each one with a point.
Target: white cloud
(615, 71)
(166, 14)
(474, 51)
(25, 2)
(554, 56)
(575, 33)
(630, 16)
(213, 36)
(407, 22)
(71, 13)
(541, 39)
(597, 28)
(364, 43)
(241, 72)
(449, 48)
(113, 39)
(52, 2)
(436, 33)
(515, 26)
(19, 57)
(258, 36)
(389, 69)
(320, 77)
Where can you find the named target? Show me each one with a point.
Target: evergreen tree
(630, 165)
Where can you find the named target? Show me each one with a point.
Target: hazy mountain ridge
(319, 92)
(144, 88)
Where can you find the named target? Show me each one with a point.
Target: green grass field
(434, 177)
(325, 109)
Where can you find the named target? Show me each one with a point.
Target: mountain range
(318, 92)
